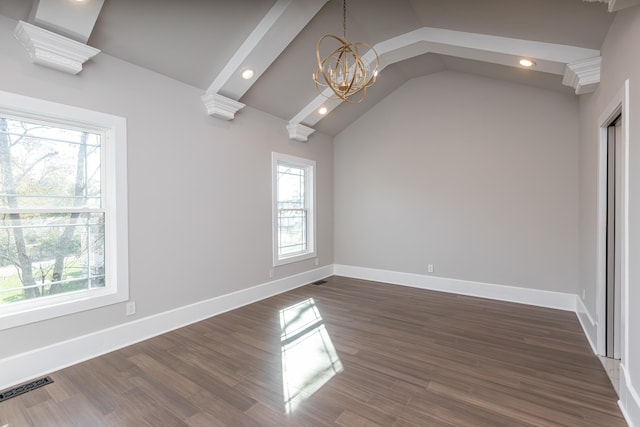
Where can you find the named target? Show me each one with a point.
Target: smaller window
(293, 209)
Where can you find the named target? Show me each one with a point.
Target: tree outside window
(52, 222)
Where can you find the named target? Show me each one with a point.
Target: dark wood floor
(349, 353)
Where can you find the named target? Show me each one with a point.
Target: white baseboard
(558, 300)
(629, 402)
(629, 398)
(589, 327)
(26, 366)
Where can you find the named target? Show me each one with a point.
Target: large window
(293, 208)
(62, 218)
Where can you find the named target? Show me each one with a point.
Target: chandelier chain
(344, 19)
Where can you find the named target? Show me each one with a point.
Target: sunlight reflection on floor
(309, 359)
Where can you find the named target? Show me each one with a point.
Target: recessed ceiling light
(527, 62)
(247, 74)
(323, 111)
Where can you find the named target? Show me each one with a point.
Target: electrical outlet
(583, 293)
(131, 308)
(430, 268)
(271, 273)
(317, 261)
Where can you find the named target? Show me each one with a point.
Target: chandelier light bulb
(343, 70)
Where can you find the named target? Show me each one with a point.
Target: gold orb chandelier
(343, 70)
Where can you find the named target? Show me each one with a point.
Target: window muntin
(63, 188)
(292, 210)
(52, 222)
(52, 167)
(293, 183)
(64, 250)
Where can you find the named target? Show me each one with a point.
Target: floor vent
(24, 388)
(319, 282)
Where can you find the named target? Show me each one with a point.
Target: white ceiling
(193, 40)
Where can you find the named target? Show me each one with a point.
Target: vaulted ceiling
(206, 43)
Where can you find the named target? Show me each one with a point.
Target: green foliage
(13, 281)
(46, 167)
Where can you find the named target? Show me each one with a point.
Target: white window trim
(310, 183)
(114, 188)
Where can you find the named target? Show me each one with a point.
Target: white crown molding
(220, 106)
(549, 57)
(609, 3)
(616, 5)
(583, 75)
(53, 50)
(299, 132)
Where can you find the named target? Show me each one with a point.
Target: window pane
(293, 205)
(48, 254)
(292, 236)
(291, 187)
(292, 216)
(48, 167)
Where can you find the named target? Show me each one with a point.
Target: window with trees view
(293, 204)
(57, 211)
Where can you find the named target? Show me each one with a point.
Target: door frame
(618, 106)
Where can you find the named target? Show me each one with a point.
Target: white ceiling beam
(549, 57)
(267, 41)
(73, 19)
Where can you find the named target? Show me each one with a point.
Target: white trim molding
(619, 105)
(589, 326)
(53, 50)
(557, 300)
(23, 367)
(583, 75)
(220, 106)
(629, 402)
(26, 366)
(616, 5)
(299, 132)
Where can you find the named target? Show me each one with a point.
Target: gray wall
(620, 61)
(476, 176)
(199, 188)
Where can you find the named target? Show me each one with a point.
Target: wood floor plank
(351, 353)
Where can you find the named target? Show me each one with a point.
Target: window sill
(294, 258)
(19, 314)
